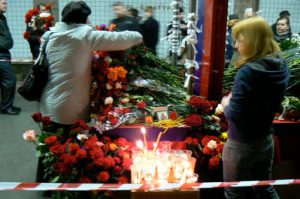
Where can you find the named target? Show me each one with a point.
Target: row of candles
(162, 164)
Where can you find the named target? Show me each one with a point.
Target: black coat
(150, 31)
(126, 23)
(6, 40)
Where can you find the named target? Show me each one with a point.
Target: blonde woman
(258, 90)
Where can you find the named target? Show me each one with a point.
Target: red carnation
(208, 151)
(63, 168)
(206, 139)
(46, 120)
(123, 179)
(117, 160)
(73, 148)
(141, 105)
(81, 154)
(50, 140)
(118, 169)
(85, 179)
(214, 162)
(173, 115)
(126, 110)
(103, 176)
(127, 162)
(188, 140)
(194, 120)
(121, 142)
(195, 141)
(37, 117)
(82, 124)
(112, 119)
(179, 145)
(57, 149)
(68, 159)
(108, 162)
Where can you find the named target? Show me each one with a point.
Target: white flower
(108, 59)
(108, 100)
(219, 109)
(29, 135)
(212, 144)
(118, 85)
(44, 15)
(216, 118)
(82, 137)
(108, 86)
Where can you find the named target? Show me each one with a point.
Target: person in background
(69, 52)
(35, 35)
(132, 12)
(248, 13)
(282, 29)
(122, 21)
(233, 19)
(150, 30)
(257, 92)
(7, 75)
(283, 13)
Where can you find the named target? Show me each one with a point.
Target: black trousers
(7, 84)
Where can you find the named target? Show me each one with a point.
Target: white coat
(66, 97)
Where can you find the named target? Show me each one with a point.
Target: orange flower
(112, 74)
(121, 71)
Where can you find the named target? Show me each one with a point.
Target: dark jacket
(34, 41)
(257, 92)
(6, 40)
(126, 23)
(150, 30)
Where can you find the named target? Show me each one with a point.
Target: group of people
(281, 31)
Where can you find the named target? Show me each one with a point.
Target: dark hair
(38, 6)
(118, 3)
(149, 9)
(181, 9)
(134, 12)
(284, 13)
(76, 12)
(284, 18)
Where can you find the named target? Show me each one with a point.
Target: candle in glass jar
(143, 131)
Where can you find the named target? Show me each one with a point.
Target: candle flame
(143, 130)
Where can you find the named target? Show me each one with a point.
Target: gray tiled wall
(102, 14)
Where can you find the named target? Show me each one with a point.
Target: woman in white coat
(69, 51)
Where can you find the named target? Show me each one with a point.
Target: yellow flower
(113, 146)
(112, 74)
(224, 136)
(121, 71)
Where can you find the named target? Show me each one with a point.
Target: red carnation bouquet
(38, 21)
(76, 155)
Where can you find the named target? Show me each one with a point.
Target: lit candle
(143, 131)
(158, 139)
(139, 144)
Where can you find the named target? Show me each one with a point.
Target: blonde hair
(258, 39)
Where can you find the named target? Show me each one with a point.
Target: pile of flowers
(38, 21)
(78, 155)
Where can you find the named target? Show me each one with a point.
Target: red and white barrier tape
(21, 186)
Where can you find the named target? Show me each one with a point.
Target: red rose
(117, 160)
(82, 125)
(127, 162)
(57, 149)
(173, 115)
(103, 176)
(108, 162)
(123, 179)
(73, 148)
(37, 117)
(219, 148)
(85, 179)
(68, 159)
(214, 162)
(194, 120)
(46, 120)
(112, 119)
(179, 145)
(50, 140)
(81, 154)
(141, 105)
(118, 169)
(202, 104)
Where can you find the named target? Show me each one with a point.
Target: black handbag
(37, 78)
